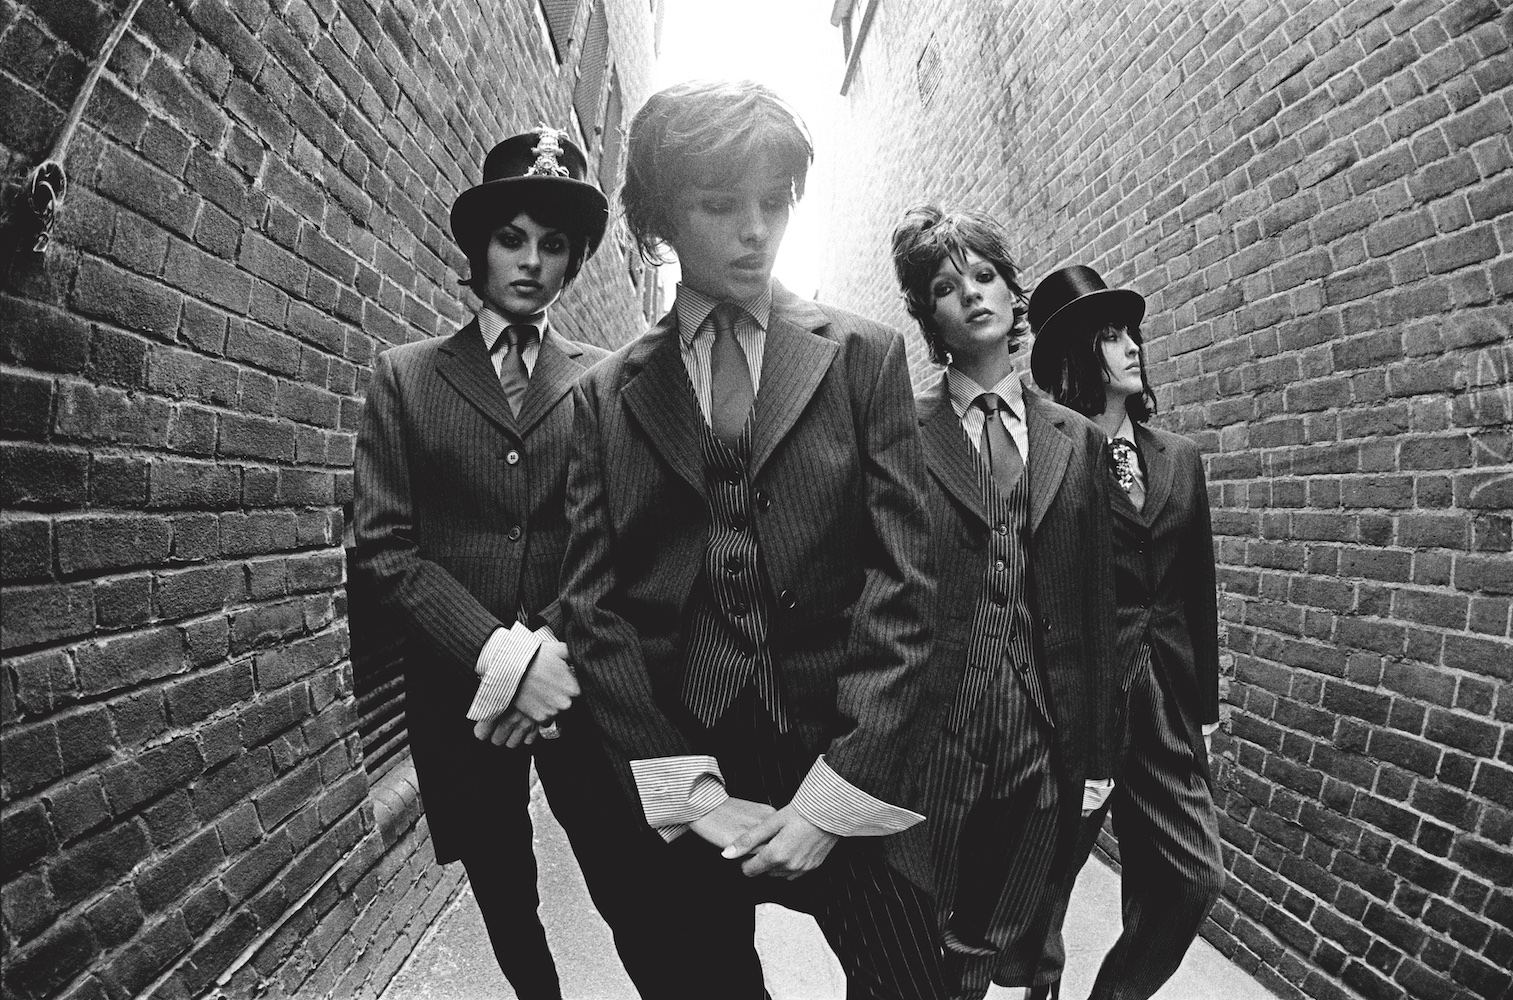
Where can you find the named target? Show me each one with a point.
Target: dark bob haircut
(703, 133)
(925, 239)
(1084, 376)
(545, 213)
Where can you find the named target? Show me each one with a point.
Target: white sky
(790, 46)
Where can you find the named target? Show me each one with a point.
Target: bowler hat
(1070, 300)
(535, 167)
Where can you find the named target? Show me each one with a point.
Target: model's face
(976, 312)
(1121, 364)
(527, 265)
(727, 236)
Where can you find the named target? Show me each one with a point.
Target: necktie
(997, 446)
(1124, 460)
(730, 393)
(514, 379)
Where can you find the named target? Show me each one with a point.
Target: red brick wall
(1315, 200)
(258, 206)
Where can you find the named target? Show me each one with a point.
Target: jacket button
(763, 500)
(515, 533)
(787, 600)
(513, 457)
(1045, 622)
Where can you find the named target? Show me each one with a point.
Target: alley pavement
(455, 962)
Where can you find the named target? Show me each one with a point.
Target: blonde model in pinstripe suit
(1088, 354)
(1021, 670)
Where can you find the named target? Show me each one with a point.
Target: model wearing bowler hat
(460, 472)
(1088, 355)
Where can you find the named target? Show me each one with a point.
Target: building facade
(198, 796)
(1316, 199)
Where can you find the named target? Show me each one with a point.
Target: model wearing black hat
(461, 468)
(1089, 355)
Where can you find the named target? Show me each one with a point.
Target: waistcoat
(1003, 630)
(732, 605)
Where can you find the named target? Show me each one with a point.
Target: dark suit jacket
(458, 516)
(1164, 573)
(839, 489)
(1069, 563)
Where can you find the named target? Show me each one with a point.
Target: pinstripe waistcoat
(838, 503)
(459, 523)
(1069, 575)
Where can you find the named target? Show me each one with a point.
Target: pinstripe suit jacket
(839, 488)
(459, 524)
(1166, 588)
(1069, 561)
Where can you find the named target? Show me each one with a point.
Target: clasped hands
(547, 690)
(777, 842)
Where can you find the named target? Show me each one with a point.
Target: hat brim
(1053, 339)
(480, 210)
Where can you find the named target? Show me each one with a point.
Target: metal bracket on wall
(47, 182)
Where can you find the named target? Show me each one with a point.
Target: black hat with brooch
(534, 168)
(1070, 301)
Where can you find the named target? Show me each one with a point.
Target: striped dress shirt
(676, 791)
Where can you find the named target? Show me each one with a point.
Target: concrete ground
(455, 962)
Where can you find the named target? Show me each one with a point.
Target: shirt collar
(964, 389)
(492, 326)
(693, 308)
(1126, 430)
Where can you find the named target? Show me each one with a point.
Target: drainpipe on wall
(46, 184)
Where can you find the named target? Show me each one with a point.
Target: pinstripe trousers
(877, 922)
(1171, 869)
(995, 833)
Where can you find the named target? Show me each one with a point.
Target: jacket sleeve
(1200, 597)
(429, 600)
(1102, 638)
(603, 645)
(881, 681)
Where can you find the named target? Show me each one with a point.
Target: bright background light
(790, 46)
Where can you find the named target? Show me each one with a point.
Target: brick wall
(258, 206)
(1315, 199)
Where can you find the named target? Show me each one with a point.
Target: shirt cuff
(502, 663)
(837, 806)
(675, 791)
(1209, 728)
(1095, 791)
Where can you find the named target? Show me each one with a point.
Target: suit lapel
(1159, 471)
(794, 363)
(552, 377)
(948, 453)
(465, 365)
(661, 400)
(1050, 451)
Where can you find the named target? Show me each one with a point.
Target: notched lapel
(1050, 451)
(465, 365)
(794, 362)
(555, 371)
(661, 400)
(949, 455)
(1159, 472)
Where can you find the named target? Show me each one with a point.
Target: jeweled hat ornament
(539, 166)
